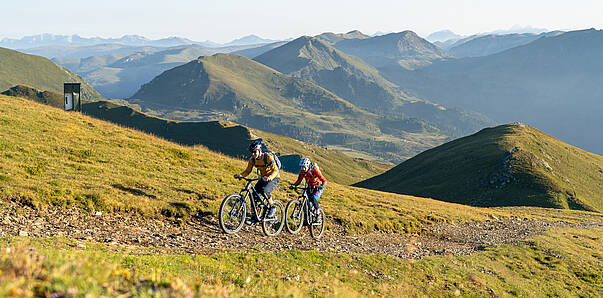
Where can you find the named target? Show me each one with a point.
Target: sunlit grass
(561, 262)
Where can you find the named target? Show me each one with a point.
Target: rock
(23, 233)
(98, 213)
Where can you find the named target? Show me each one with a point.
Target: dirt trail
(204, 235)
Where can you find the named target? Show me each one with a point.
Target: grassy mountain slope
(232, 87)
(507, 165)
(220, 136)
(49, 156)
(22, 69)
(553, 83)
(404, 48)
(54, 157)
(232, 139)
(361, 84)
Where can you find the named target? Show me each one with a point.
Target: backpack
(275, 159)
(314, 166)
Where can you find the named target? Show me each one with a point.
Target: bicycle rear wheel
(232, 214)
(294, 216)
(317, 227)
(273, 226)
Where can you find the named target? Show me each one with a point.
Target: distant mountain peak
(406, 48)
(249, 39)
(333, 38)
(442, 35)
(355, 32)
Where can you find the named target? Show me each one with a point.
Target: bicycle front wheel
(294, 216)
(272, 226)
(232, 214)
(317, 227)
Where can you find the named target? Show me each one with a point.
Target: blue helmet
(304, 162)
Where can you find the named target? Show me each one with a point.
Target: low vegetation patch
(561, 262)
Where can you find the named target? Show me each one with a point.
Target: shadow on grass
(134, 191)
(192, 192)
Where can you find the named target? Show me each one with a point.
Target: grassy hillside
(53, 157)
(219, 136)
(232, 87)
(406, 49)
(553, 83)
(337, 167)
(507, 165)
(21, 69)
(361, 84)
(232, 139)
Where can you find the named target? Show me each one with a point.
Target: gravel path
(203, 235)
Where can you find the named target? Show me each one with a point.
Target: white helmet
(304, 162)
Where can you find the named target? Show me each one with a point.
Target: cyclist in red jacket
(314, 179)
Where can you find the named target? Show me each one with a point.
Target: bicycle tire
(294, 220)
(236, 226)
(317, 227)
(272, 227)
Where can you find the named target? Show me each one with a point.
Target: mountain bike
(300, 212)
(233, 211)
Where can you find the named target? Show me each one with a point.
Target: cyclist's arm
(249, 168)
(299, 178)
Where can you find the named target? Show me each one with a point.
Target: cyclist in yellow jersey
(269, 173)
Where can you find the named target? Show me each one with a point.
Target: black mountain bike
(233, 211)
(300, 212)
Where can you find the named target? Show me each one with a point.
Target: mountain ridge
(361, 84)
(403, 48)
(248, 92)
(552, 83)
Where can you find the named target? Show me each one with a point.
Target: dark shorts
(266, 187)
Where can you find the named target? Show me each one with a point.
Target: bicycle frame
(305, 203)
(248, 191)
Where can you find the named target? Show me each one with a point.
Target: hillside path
(203, 235)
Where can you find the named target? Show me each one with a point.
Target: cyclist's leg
(269, 188)
(259, 187)
(314, 197)
(266, 187)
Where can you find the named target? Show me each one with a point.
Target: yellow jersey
(268, 168)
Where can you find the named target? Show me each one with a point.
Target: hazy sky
(226, 20)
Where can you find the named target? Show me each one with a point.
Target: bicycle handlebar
(247, 179)
(298, 188)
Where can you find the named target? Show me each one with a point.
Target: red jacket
(313, 177)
